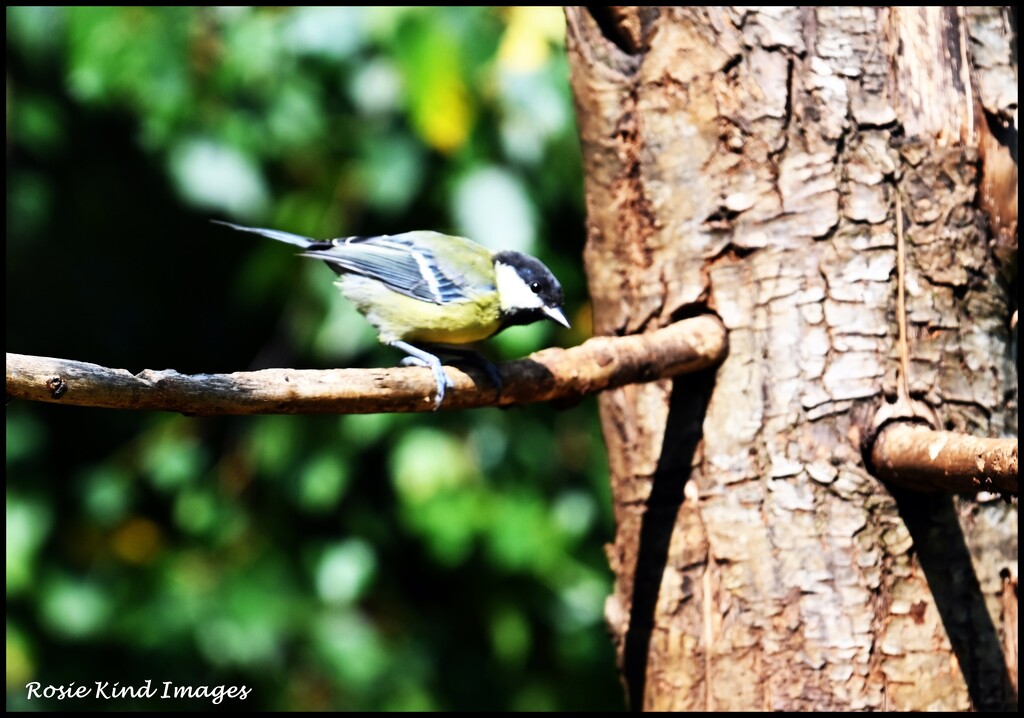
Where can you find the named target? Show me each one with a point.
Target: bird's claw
(441, 379)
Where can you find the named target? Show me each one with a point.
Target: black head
(529, 291)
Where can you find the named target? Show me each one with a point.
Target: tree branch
(552, 374)
(916, 457)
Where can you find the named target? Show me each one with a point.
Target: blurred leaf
(433, 475)
(344, 571)
(520, 536)
(447, 523)
(295, 119)
(251, 618)
(529, 35)
(172, 459)
(36, 30)
(137, 541)
(491, 207)
(490, 442)
(21, 665)
(392, 172)
(108, 64)
(234, 641)
(24, 436)
(376, 89)
(322, 482)
(196, 511)
(520, 341)
(582, 603)
(426, 462)
(510, 635)
(273, 443)
(439, 102)
(39, 123)
(334, 32)
(107, 494)
(365, 430)
(534, 698)
(350, 647)
(534, 112)
(344, 332)
(29, 204)
(74, 608)
(216, 177)
(28, 523)
(254, 48)
(574, 513)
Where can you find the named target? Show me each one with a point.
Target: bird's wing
(403, 262)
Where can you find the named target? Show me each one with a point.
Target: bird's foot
(419, 357)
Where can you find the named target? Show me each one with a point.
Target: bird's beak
(555, 315)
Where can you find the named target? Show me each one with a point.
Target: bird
(425, 288)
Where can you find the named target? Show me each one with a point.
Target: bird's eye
(535, 286)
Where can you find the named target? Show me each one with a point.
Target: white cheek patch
(514, 292)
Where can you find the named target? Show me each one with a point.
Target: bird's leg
(429, 360)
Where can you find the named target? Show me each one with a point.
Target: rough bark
(748, 162)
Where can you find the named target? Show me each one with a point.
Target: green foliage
(387, 562)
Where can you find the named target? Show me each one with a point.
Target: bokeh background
(431, 561)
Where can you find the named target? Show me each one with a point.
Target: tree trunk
(814, 177)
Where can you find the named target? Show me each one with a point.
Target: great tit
(432, 288)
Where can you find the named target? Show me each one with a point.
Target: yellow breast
(398, 317)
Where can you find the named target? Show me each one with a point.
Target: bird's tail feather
(286, 237)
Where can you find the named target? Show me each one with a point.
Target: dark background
(432, 561)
